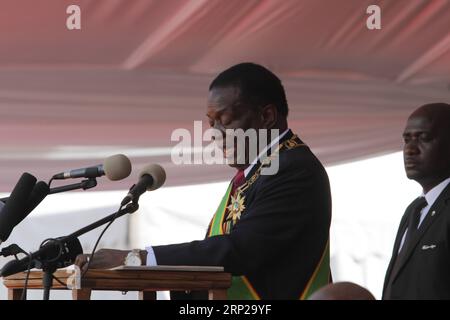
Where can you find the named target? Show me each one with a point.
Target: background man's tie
(413, 222)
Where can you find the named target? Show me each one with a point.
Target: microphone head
(64, 252)
(11, 213)
(157, 173)
(63, 256)
(39, 192)
(117, 167)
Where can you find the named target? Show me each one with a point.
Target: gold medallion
(236, 207)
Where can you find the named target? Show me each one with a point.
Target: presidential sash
(240, 289)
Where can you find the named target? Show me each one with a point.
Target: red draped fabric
(139, 69)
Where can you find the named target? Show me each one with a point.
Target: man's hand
(103, 259)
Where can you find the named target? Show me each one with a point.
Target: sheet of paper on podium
(171, 268)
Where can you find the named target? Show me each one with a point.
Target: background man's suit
(425, 271)
(282, 234)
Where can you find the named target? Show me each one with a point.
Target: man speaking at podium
(271, 232)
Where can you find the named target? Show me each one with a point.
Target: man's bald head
(342, 291)
(427, 145)
(436, 113)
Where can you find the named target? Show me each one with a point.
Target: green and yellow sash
(321, 275)
(240, 289)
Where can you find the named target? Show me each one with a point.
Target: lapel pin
(433, 213)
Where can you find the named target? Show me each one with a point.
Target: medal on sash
(236, 206)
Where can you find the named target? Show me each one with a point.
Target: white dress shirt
(431, 197)
(151, 258)
(272, 143)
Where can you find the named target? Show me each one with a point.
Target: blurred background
(139, 69)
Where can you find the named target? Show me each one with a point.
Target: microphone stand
(50, 267)
(84, 184)
(130, 208)
(14, 249)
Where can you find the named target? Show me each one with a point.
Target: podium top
(126, 278)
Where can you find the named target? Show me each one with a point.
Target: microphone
(151, 178)
(116, 167)
(39, 192)
(16, 206)
(61, 252)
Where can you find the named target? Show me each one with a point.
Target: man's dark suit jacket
(425, 272)
(281, 235)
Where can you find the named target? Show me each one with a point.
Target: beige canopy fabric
(139, 69)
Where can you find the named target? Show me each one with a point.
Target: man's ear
(269, 116)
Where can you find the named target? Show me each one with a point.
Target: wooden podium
(146, 280)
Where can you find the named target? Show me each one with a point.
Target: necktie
(238, 180)
(413, 221)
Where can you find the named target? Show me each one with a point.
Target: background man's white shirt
(431, 197)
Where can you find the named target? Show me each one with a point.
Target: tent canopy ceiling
(140, 69)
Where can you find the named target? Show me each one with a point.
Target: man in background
(420, 263)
